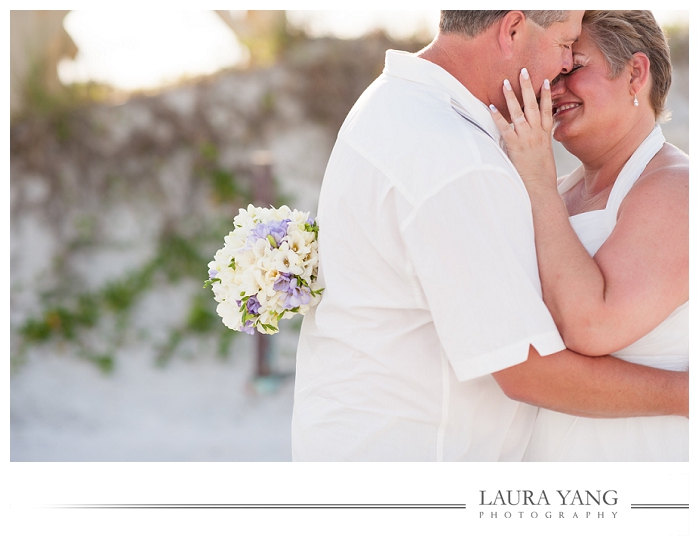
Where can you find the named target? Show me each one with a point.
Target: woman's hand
(528, 139)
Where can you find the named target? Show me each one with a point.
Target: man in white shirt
(432, 333)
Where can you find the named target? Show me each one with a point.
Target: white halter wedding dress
(561, 437)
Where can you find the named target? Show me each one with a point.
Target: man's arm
(595, 387)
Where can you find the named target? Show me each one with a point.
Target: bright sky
(139, 49)
(129, 49)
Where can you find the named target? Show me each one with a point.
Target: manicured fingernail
(507, 85)
(525, 74)
(492, 108)
(547, 84)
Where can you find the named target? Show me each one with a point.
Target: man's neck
(466, 59)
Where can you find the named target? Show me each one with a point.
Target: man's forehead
(566, 31)
(575, 23)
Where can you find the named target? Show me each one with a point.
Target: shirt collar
(409, 66)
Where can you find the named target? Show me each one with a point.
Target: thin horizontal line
(258, 506)
(659, 506)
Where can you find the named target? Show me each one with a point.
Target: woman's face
(585, 101)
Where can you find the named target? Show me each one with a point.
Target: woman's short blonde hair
(621, 33)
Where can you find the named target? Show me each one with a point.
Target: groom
(432, 332)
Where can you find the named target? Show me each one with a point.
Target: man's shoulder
(411, 121)
(419, 142)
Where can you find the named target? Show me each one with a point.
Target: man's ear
(639, 72)
(510, 29)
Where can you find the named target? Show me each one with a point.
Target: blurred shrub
(678, 39)
(72, 317)
(336, 72)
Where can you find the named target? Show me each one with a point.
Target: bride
(612, 237)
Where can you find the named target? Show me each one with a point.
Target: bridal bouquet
(266, 270)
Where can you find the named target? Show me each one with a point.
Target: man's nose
(567, 61)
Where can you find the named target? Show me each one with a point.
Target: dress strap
(571, 180)
(632, 170)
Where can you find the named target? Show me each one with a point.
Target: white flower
(244, 260)
(260, 248)
(287, 260)
(248, 283)
(279, 214)
(230, 315)
(299, 217)
(235, 240)
(310, 267)
(298, 243)
(275, 303)
(271, 274)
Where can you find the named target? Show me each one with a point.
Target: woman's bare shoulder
(662, 188)
(667, 171)
(669, 157)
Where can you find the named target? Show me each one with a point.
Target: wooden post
(263, 195)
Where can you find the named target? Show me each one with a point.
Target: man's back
(394, 363)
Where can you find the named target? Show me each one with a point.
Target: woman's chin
(563, 131)
(559, 133)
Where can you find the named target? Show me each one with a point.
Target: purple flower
(282, 282)
(248, 328)
(253, 305)
(212, 273)
(296, 295)
(274, 228)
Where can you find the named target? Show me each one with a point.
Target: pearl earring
(635, 100)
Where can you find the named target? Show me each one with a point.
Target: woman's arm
(635, 280)
(640, 274)
(595, 387)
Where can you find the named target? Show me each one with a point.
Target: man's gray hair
(473, 22)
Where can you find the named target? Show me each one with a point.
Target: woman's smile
(562, 107)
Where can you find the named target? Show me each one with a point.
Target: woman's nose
(558, 86)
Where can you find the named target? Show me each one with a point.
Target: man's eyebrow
(568, 40)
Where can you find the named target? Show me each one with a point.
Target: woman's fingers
(531, 106)
(546, 107)
(503, 125)
(516, 115)
(537, 114)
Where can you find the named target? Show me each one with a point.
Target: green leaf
(210, 282)
(314, 228)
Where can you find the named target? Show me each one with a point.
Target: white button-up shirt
(431, 283)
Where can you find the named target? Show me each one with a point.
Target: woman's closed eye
(563, 74)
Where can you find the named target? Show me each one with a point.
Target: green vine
(70, 318)
(70, 314)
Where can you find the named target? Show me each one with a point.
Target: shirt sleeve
(472, 246)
